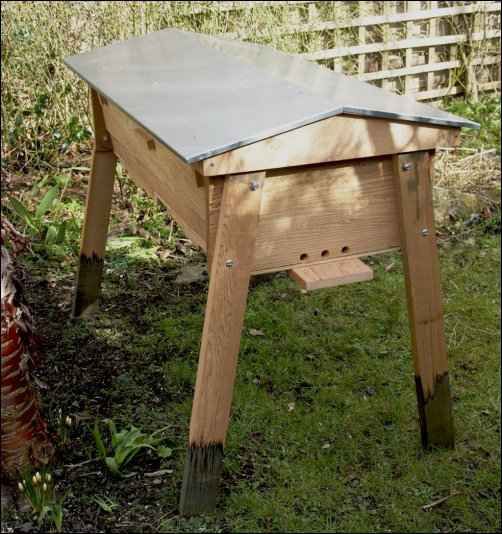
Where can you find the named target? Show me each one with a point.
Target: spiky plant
(24, 438)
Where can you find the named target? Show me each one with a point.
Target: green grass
(324, 433)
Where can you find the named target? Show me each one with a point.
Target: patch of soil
(90, 371)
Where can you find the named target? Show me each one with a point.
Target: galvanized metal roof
(202, 96)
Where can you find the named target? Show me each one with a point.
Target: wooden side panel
(335, 139)
(158, 170)
(331, 274)
(316, 214)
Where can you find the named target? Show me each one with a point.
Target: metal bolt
(425, 232)
(229, 263)
(254, 185)
(406, 166)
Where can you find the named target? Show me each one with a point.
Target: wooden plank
(439, 93)
(316, 214)
(361, 59)
(388, 8)
(224, 7)
(428, 67)
(331, 274)
(455, 90)
(421, 265)
(403, 43)
(412, 6)
(228, 288)
(161, 172)
(433, 30)
(490, 86)
(417, 69)
(338, 138)
(97, 215)
(372, 20)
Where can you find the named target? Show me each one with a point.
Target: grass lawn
(324, 433)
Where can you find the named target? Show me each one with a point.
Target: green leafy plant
(125, 445)
(105, 503)
(47, 221)
(39, 492)
(486, 111)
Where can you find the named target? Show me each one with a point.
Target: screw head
(406, 166)
(229, 263)
(254, 185)
(425, 232)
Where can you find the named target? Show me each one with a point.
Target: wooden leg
(231, 267)
(97, 215)
(421, 263)
(92, 248)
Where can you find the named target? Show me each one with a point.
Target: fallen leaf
(255, 332)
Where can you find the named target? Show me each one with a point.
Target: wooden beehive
(269, 163)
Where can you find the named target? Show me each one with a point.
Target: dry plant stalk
(24, 438)
(469, 170)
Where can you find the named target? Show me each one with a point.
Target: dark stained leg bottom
(436, 420)
(201, 479)
(86, 295)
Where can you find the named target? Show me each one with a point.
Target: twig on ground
(439, 501)
(74, 466)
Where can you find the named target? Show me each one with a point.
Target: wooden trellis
(415, 47)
